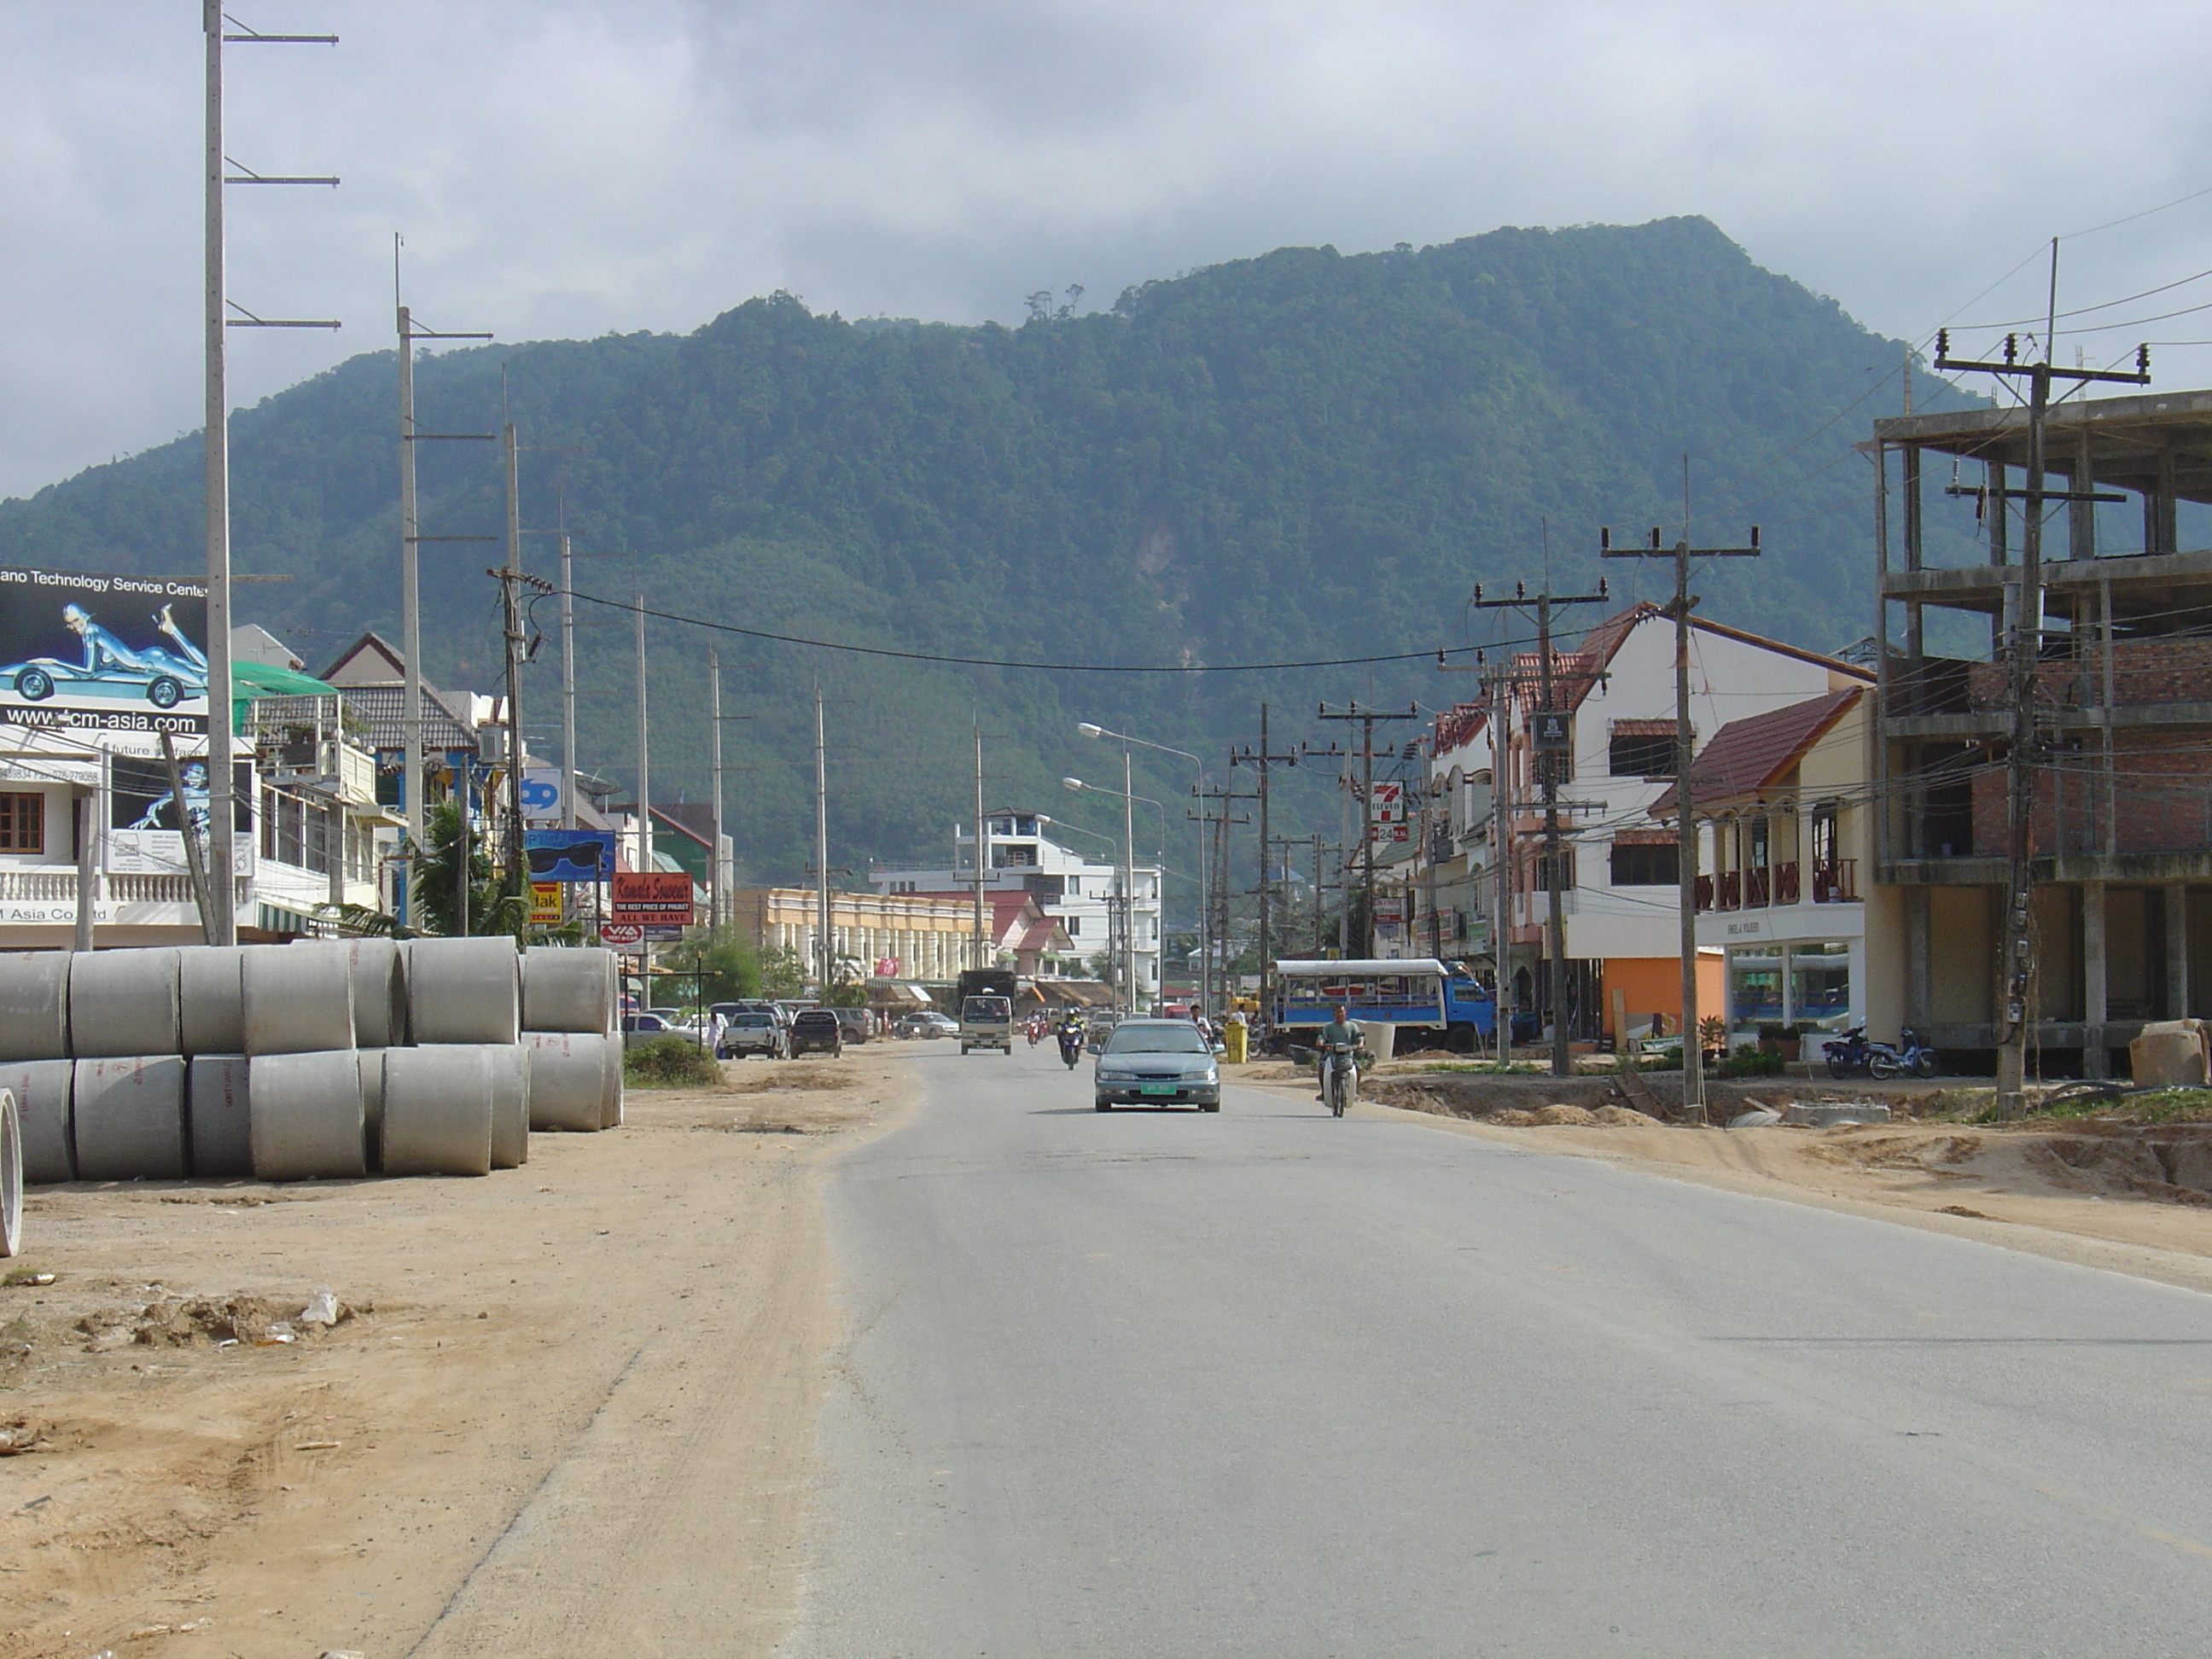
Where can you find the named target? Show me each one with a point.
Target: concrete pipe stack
(320, 1059)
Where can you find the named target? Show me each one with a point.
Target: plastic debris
(323, 1310)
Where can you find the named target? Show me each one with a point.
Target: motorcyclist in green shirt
(1339, 1036)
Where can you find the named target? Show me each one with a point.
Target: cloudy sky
(563, 167)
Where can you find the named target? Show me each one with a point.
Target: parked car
(856, 1023)
(815, 1031)
(687, 1024)
(1157, 1062)
(752, 1005)
(927, 1024)
(644, 1028)
(751, 1033)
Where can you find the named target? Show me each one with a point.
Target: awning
(250, 681)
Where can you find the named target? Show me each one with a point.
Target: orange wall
(1654, 985)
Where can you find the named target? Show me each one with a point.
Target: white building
(1081, 892)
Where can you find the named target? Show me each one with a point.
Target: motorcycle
(1853, 1051)
(1339, 1078)
(1071, 1046)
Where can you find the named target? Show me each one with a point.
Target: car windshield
(752, 1020)
(987, 1008)
(1156, 1040)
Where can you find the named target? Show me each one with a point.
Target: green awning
(250, 681)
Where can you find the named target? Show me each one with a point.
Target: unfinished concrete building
(2123, 772)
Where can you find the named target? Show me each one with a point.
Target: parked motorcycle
(1852, 1052)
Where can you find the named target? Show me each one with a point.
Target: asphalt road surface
(1273, 1383)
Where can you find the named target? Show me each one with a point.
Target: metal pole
(1266, 914)
(567, 688)
(1501, 855)
(222, 807)
(89, 805)
(517, 879)
(1205, 928)
(975, 947)
(1562, 1065)
(465, 842)
(1128, 880)
(714, 896)
(1686, 847)
(644, 781)
(821, 842)
(411, 614)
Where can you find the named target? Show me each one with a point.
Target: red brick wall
(2143, 671)
(2163, 791)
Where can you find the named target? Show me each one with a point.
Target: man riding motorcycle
(1070, 1038)
(1338, 1042)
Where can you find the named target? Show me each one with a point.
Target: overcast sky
(571, 167)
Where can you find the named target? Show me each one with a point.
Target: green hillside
(1305, 455)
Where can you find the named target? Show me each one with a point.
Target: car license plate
(1159, 1089)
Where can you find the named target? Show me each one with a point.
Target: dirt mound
(1511, 1116)
(1624, 1117)
(188, 1322)
(788, 1074)
(1559, 1115)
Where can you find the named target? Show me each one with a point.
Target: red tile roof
(1751, 754)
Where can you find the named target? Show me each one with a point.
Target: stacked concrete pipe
(575, 1054)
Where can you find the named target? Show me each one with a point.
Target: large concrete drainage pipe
(304, 1116)
(11, 1178)
(611, 1085)
(437, 1111)
(35, 1005)
(41, 1088)
(371, 1062)
(464, 991)
(380, 993)
(123, 1003)
(507, 1064)
(127, 1117)
(567, 989)
(298, 999)
(568, 1079)
(209, 997)
(218, 1106)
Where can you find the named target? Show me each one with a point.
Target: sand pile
(1624, 1117)
(1558, 1114)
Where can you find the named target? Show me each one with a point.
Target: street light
(1092, 729)
(1128, 868)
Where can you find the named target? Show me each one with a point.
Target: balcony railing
(1785, 883)
(1731, 888)
(1705, 892)
(1757, 888)
(1836, 882)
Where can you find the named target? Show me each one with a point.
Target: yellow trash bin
(1232, 1042)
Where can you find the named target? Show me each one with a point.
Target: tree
(436, 877)
(724, 964)
(782, 973)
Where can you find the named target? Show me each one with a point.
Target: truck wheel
(1461, 1039)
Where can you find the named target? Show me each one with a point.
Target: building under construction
(2121, 771)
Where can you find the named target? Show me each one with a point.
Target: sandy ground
(2105, 1194)
(569, 1412)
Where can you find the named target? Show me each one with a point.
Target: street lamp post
(1128, 870)
(1089, 729)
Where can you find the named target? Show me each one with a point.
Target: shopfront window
(1793, 985)
(1755, 979)
(1820, 985)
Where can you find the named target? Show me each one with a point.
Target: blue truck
(1433, 1004)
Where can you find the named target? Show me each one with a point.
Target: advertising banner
(569, 854)
(145, 821)
(547, 908)
(653, 899)
(541, 794)
(84, 652)
(619, 933)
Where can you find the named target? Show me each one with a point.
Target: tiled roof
(1749, 754)
(383, 708)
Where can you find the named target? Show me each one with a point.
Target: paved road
(1272, 1383)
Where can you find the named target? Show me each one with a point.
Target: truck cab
(986, 1009)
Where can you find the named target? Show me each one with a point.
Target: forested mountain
(1301, 455)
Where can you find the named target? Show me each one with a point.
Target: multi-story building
(1080, 891)
(896, 936)
(2121, 841)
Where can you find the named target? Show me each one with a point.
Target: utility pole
(2024, 645)
(644, 782)
(1129, 882)
(715, 901)
(1215, 898)
(510, 576)
(412, 786)
(568, 686)
(825, 946)
(1685, 739)
(1551, 730)
(222, 806)
(1368, 719)
(1501, 858)
(1264, 760)
(981, 842)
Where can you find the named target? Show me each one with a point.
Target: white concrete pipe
(127, 1117)
(123, 1003)
(612, 1095)
(568, 1079)
(217, 1107)
(437, 1111)
(11, 1178)
(567, 989)
(380, 993)
(41, 1088)
(371, 1062)
(507, 1065)
(297, 999)
(208, 1000)
(304, 1112)
(463, 991)
(35, 1005)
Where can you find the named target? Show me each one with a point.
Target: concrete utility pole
(510, 576)
(981, 842)
(1264, 760)
(1215, 897)
(644, 781)
(1128, 881)
(824, 946)
(1501, 858)
(2024, 645)
(1368, 719)
(1551, 733)
(1685, 739)
(715, 901)
(222, 805)
(569, 687)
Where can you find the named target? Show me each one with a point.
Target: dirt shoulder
(2132, 1199)
(566, 1409)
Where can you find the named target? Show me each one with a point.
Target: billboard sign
(569, 854)
(145, 821)
(620, 934)
(85, 652)
(540, 790)
(653, 898)
(547, 908)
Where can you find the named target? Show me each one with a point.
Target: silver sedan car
(1156, 1062)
